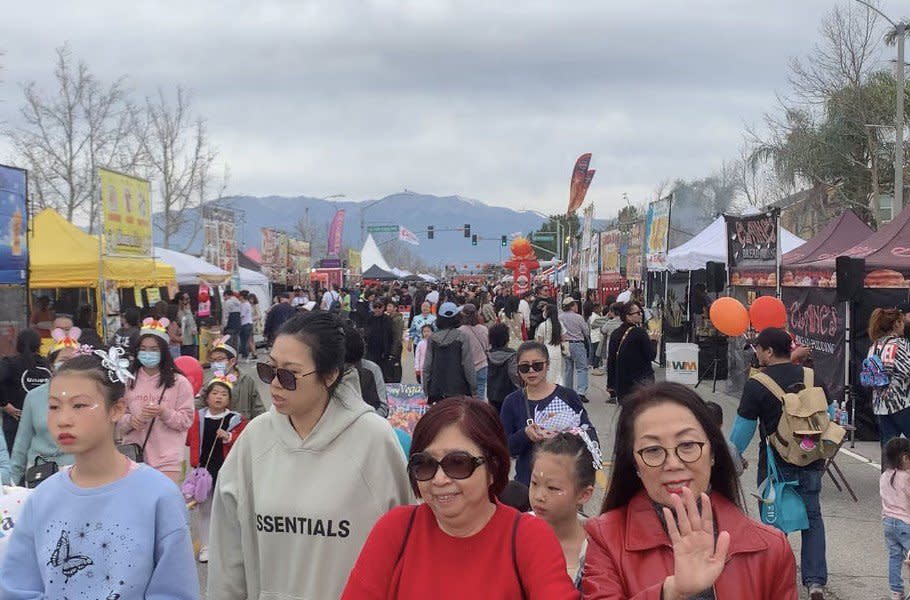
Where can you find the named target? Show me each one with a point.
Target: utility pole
(900, 30)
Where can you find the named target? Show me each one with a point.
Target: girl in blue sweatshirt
(105, 528)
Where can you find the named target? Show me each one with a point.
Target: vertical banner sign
(298, 261)
(13, 225)
(657, 230)
(752, 249)
(220, 237)
(585, 254)
(578, 185)
(634, 256)
(126, 214)
(593, 260)
(609, 254)
(335, 231)
(816, 319)
(275, 255)
(354, 261)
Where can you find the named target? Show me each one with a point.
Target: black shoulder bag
(41, 470)
(134, 451)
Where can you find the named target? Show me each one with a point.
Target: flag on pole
(581, 178)
(406, 235)
(335, 231)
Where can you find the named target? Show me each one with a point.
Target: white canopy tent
(711, 246)
(370, 256)
(191, 269)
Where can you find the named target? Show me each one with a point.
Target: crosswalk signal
(502, 241)
(430, 232)
(467, 230)
(474, 240)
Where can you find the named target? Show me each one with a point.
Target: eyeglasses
(456, 465)
(286, 379)
(537, 366)
(656, 456)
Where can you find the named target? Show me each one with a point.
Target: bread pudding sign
(753, 249)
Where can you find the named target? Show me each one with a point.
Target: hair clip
(593, 447)
(117, 366)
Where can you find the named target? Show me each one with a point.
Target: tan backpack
(805, 432)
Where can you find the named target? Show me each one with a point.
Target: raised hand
(697, 561)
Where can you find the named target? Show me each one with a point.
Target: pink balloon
(191, 368)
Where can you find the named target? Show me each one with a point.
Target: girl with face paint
(159, 402)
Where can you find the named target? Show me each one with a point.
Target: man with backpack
(331, 300)
(448, 368)
(799, 445)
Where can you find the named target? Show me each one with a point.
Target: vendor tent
(190, 270)
(711, 246)
(375, 272)
(63, 256)
(371, 256)
(838, 235)
(884, 249)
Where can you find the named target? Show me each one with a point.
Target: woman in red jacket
(461, 542)
(671, 459)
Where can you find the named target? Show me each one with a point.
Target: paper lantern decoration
(729, 316)
(521, 247)
(768, 311)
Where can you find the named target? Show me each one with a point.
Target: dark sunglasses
(537, 366)
(286, 379)
(456, 465)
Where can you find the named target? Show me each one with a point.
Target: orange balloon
(768, 311)
(729, 316)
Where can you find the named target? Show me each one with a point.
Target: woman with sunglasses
(630, 352)
(539, 410)
(305, 483)
(671, 526)
(460, 542)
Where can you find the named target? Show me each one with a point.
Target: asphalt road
(857, 557)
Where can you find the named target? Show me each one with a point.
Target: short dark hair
(354, 347)
(499, 335)
(776, 340)
(323, 334)
(530, 347)
(624, 482)
(131, 316)
(480, 423)
(716, 411)
(627, 307)
(616, 307)
(516, 495)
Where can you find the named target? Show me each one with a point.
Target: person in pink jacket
(159, 403)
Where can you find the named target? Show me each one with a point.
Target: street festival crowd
(319, 497)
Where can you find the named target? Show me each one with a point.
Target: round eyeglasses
(656, 456)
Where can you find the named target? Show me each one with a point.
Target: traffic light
(474, 240)
(502, 241)
(467, 230)
(430, 232)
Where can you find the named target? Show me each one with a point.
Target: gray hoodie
(290, 515)
(446, 337)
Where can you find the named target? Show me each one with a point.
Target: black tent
(375, 272)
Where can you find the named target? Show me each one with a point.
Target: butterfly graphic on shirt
(113, 596)
(70, 565)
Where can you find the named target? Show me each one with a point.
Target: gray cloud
(492, 100)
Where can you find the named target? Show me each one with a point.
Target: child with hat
(245, 397)
(215, 429)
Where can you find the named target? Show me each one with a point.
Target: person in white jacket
(304, 484)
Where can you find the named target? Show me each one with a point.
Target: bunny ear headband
(593, 447)
(65, 339)
(116, 363)
(156, 327)
(222, 344)
(227, 380)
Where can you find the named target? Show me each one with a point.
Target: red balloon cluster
(730, 317)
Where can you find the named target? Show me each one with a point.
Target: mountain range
(412, 210)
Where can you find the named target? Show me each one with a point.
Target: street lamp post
(363, 226)
(899, 33)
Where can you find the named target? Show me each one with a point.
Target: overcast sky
(485, 99)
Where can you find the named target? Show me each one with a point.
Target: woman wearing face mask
(299, 492)
(461, 542)
(33, 438)
(159, 403)
(673, 487)
(539, 410)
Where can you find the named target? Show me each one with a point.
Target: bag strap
(515, 555)
(407, 534)
(808, 378)
(212, 449)
(149, 432)
(770, 385)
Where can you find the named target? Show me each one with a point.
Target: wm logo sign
(682, 365)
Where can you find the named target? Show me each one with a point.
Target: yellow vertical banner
(354, 261)
(126, 213)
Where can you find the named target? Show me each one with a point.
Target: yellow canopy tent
(63, 256)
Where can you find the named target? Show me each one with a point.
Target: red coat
(629, 555)
(235, 425)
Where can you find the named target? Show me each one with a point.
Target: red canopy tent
(837, 236)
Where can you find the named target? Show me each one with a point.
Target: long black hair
(167, 368)
(511, 306)
(555, 326)
(28, 342)
(624, 482)
(894, 452)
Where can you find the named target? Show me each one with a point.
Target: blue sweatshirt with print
(128, 540)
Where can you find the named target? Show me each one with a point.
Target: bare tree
(67, 134)
(182, 161)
